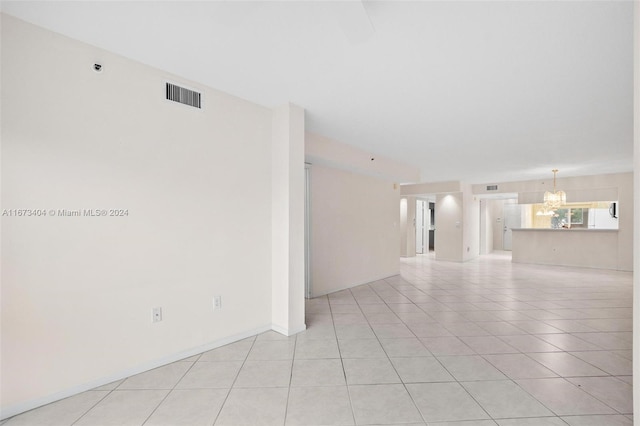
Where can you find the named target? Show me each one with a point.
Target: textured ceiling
(473, 91)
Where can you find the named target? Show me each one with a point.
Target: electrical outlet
(157, 314)
(217, 302)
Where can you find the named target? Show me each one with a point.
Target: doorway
(511, 219)
(422, 227)
(308, 292)
(431, 228)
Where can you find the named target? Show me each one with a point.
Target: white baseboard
(348, 286)
(16, 409)
(288, 331)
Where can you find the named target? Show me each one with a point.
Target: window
(587, 215)
(566, 218)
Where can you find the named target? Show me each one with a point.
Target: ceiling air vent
(492, 187)
(184, 96)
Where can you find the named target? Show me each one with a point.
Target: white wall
(457, 232)
(636, 211)
(430, 188)
(584, 248)
(486, 234)
(77, 292)
(404, 220)
(287, 220)
(408, 227)
(449, 233)
(422, 225)
(471, 225)
(457, 218)
(355, 233)
(497, 225)
(355, 214)
(323, 151)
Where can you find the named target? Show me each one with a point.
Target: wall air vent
(492, 187)
(183, 96)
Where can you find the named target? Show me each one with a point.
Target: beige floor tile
(421, 370)
(210, 375)
(198, 407)
(354, 331)
(233, 352)
(369, 371)
(124, 408)
(445, 402)
(566, 365)
(318, 372)
(272, 350)
(568, 342)
(404, 347)
(164, 377)
(315, 349)
(466, 423)
(310, 406)
(488, 345)
(505, 399)
(563, 398)
(471, 367)
(615, 393)
(63, 412)
(361, 348)
(614, 420)
(383, 404)
(254, 406)
(529, 343)
(446, 346)
(263, 374)
(607, 361)
(519, 366)
(537, 421)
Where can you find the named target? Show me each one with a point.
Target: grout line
(94, 405)
(344, 373)
(536, 361)
(387, 354)
(255, 338)
(454, 378)
(293, 357)
(170, 390)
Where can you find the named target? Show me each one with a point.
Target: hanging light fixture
(544, 212)
(553, 200)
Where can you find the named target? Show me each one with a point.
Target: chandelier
(553, 200)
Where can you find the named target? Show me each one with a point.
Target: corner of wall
(287, 219)
(636, 214)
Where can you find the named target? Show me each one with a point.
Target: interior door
(420, 226)
(431, 226)
(511, 219)
(308, 291)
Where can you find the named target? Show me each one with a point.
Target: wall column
(636, 210)
(408, 226)
(457, 225)
(471, 224)
(449, 224)
(287, 220)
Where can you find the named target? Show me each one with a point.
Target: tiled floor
(481, 343)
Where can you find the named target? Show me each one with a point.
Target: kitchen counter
(590, 248)
(564, 230)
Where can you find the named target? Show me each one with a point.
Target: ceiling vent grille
(183, 96)
(492, 187)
